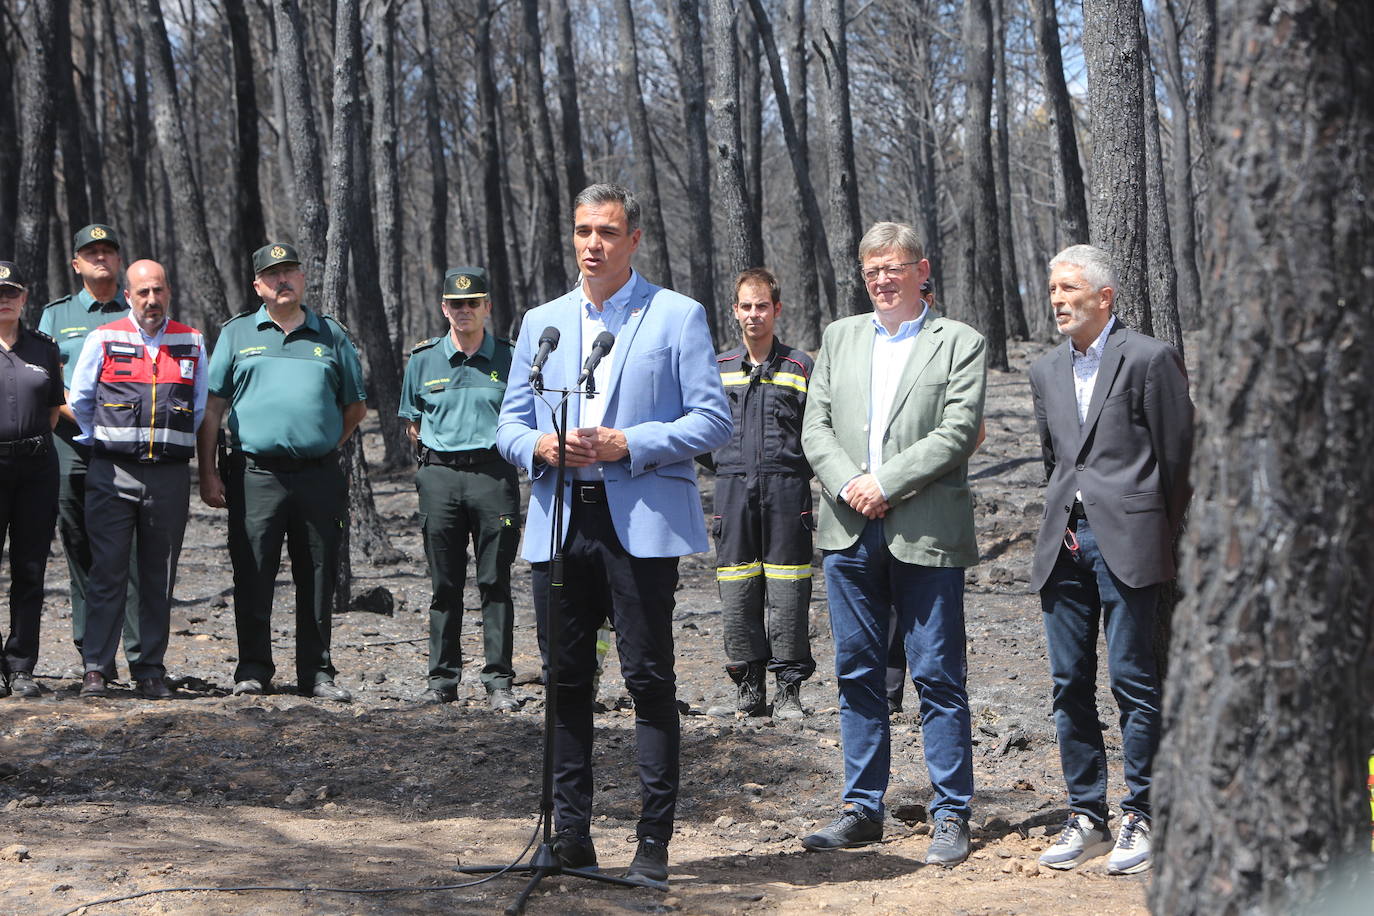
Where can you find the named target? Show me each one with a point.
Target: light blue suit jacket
(664, 394)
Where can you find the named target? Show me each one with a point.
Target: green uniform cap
(272, 254)
(465, 283)
(10, 275)
(95, 232)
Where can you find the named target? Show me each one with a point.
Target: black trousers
(28, 515)
(601, 579)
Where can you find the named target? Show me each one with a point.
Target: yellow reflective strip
(734, 573)
(788, 380)
(734, 378)
(774, 571)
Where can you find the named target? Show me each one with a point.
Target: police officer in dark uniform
(450, 400)
(96, 260)
(30, 395)
(763, 523)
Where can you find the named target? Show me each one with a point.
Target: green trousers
(480, 503)
(72, 460)
(307, 506)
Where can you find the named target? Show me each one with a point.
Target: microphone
(548, 342)
(600, 347)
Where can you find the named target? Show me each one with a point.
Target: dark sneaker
(501, 699)
(574, 849)
(152, 688)
(93, 685)
(1079, 841)
(22, 685)
(437, 696)
(1132, 852)
(650, 865)
(949, 846)
(787, 703)
(852, 829)
(328, 690)
(250, 687)
(4, 687)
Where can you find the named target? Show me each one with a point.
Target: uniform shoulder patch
(332, 320)
(424, 343)
(232, 319)
(40, 335)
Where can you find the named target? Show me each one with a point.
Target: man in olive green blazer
(893, 414)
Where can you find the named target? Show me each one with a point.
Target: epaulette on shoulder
(59, 301)
(424, 343)
(40, 335)
(341, 325)
(233, 318)
(506, 341)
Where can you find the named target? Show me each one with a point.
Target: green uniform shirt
(68, 320)
(455, 398)
(286, 392)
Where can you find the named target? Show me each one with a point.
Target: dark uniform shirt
(766, 402)
(31, 386)
(456, 399)
(68, 320)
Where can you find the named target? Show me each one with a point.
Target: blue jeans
(867, 586)
(1079, 590)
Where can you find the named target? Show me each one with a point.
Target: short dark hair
(759, 275)
(597, 194)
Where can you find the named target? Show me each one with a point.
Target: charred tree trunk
(386, 182)
(654, 264)
(751, 120)
(798, 59)
(1183, 217)
(9, 143)
(69, 117)
(312, 220)
(93, 121)
(923, 146)
(498, 264)
(438, 167)
(248, 228)
(570, 119)
(1117, 219)
(204, 288)
(1011, 282)
(686, 21)
(1260, 779)
(1159, 246)
(832, 48)
(546, 252)
(1068, 171)
(36, 184)
(982, 258)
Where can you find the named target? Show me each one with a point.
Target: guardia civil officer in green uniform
(96, 261)
(450, 401)
(292, 387)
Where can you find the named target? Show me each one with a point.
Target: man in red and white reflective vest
(138, 394)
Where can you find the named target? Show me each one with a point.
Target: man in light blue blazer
(630, 505)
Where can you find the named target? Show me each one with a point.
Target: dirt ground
(106, 798)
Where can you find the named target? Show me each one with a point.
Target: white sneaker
(1079, 841)
(1132, 852)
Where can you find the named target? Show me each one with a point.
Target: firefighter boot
(752, 697)
(787, 701)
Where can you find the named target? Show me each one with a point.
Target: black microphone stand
(544, 863)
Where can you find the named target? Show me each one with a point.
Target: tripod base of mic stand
(544, 864)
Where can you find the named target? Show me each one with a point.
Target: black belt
(286, 463)
(463, 459)
(588, 491)
(1076, 512)
(34, 445)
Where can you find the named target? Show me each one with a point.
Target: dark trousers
(308, 508)
(1080, 591)
(763, 528)
(28, 514)
(480, 503)
(140, 510)
(600, 580)
(72, 462)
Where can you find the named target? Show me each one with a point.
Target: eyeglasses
(10, 292)
(892, 270)
(474, 303)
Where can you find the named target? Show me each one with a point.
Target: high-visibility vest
(145, 405)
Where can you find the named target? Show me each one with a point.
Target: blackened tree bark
(204, 293)
(751, 119)
(36, 191)
(498, 264)
(546, 252)
(293, 76)
(1271, 688)
(1011, 284)
(1159, 246)
(69, 117)
(1117, 218)
(438, 166)
(832, 47)
(9, 143)
(921, 119)
(701, 265)
(92, 151)
(654, 263)
(569, 117)
(386, 175)
(1183, 218)
(982, 260)
(810, 229)
(1068, 171)
(248, 228)
(798, 60)
(742, 247)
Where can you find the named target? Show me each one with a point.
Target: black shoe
(949, 846)
(752, 697)
(250, 687)
(650, 865)
(501, 699)
(852, 829)
(152, 688)
(4, 686)
(787, 702)
(437, 696)
(328, 690)
(22, 685)
(574, 848)
(93, 685)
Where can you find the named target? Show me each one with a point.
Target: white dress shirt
(610, 317)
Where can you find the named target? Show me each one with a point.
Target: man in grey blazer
(1116, 429)
(892, 416)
